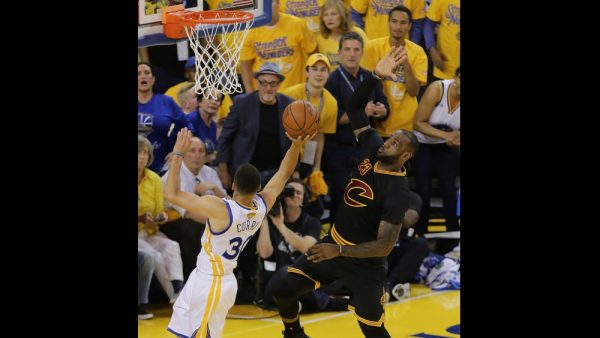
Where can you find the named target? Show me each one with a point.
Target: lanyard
(308, 98)
(348, 81)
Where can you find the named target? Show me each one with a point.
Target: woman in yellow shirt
(335, 21)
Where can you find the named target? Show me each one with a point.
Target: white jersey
(221, 250)
(441, 116)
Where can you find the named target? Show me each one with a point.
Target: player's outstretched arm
(385, 69)
(211, 206)
(387, 236)
(275, 185)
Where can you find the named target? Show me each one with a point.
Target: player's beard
(387, 159)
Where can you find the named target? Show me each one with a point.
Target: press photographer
(287, 232)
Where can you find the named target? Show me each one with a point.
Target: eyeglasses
(271, 84)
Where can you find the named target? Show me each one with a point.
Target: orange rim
(189, 18)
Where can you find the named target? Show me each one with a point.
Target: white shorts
(202, 305)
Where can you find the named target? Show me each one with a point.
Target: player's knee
(285, 286)
(279, 286)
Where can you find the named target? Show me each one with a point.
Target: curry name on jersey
(220, 250)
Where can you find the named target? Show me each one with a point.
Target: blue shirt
(208, 134)
(154, 121)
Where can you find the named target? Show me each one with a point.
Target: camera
(275, 208)
(288, 192)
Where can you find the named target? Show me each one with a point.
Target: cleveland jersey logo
(364, 190)
(364, 166)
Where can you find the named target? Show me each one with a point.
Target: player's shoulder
(397, 187)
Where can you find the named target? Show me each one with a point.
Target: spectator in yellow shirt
(286, 41)
(411, 75)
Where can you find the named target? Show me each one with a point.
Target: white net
(217, 48)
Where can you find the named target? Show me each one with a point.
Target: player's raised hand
(300, 140)
(386, 67)
(182, 144)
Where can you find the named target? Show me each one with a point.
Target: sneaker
(401, 291)
(143, 314)
(298, 334)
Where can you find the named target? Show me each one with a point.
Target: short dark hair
(306, 195)
(401, 8)
(351, 36)
(457, 73)
(414, 142)
(247, 179)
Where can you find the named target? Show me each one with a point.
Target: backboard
(150, 28)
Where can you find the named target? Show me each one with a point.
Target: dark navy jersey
(372, 195)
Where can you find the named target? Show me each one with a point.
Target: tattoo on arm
(387, 235)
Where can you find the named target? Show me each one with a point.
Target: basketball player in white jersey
(202, 306)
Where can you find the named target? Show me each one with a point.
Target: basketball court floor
(426, 314)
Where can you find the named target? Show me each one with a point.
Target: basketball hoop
(217, 60)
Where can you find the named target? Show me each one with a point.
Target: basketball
(300, 118)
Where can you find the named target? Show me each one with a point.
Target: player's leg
(287, 285)
(227, 295)
(368, 297)
(197, 301)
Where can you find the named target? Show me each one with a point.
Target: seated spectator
(145, 271)
(186, 227)
(167, 258)
(286, 235)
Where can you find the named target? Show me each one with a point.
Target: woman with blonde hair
(168, 264)
(335, 21)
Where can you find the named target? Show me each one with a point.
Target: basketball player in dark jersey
(367, 223)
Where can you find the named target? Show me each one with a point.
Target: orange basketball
(300, 118)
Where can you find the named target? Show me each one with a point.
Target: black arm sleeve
(358, 101)
(369, 140)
